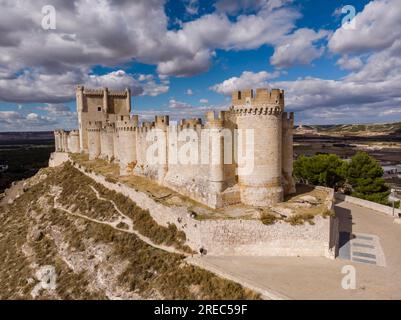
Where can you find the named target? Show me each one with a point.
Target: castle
(242, 155)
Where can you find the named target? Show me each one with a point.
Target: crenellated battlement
(127, 123)
(105, 91)
(162, 120)
(94, 126)
(255, 110)
(108, 127)
(258, 97)
(190, 122)
(74, 133)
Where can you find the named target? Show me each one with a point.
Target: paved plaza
(370, 242)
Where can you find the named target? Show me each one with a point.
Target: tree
(321, 169)
(365, 176)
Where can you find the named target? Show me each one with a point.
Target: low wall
(368, 204)
(237, 236)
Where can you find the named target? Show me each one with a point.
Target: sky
(338, 62)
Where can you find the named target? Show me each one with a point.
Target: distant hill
(361, 130)
(18, 137)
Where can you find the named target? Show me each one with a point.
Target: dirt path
(125, 219)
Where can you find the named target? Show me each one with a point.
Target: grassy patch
(300, 219)
(268, 218)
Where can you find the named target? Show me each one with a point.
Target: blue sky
(184, 57)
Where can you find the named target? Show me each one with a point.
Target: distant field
(24, 153)
(385, 150)
(366, 130)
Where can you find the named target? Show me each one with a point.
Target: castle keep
(242, 155)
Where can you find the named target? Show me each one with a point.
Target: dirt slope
(48, 253)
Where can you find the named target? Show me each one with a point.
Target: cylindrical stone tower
(161, 123)
(83, 137)
(127, 143)
(94, 147)
(287, 158)
(64, 139)
(73, 141)
(260, 171)
(216, 153)
(107, 141)
(57, 140)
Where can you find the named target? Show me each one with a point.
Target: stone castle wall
(66, 141)
(239, 236)
(108, 131)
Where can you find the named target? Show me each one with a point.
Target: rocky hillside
(362, 130)
(66, 237)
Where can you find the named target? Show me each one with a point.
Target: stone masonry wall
(237, 236)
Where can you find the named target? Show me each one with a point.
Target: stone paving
(374, 250)
(362, 248)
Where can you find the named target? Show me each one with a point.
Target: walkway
(320, 278)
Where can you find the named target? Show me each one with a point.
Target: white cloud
(151, 87)
(9, 116)
(189, 92)
(247, 80)
(185, 111)
(186, 66)
(381, 68)
(33, 86)
(51, 62)
(347, 63)
(12, 120)
(370, 92)
(32, 117)
(298, 48)
(58, 110)
(174, 104)
(115, 80)
(377, 27)
(233, 7)
(145, 77)
(365, 95)
(204, 101)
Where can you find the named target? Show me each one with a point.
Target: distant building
(392, 171)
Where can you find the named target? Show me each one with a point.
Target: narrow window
(239, 95)
(99, 108)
